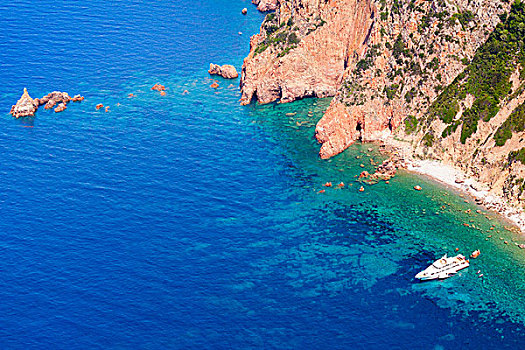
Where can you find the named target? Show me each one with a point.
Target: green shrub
(517, 156)
(293, 39)
(487, 77)
(428, 139)
(410, 124)
(514, 123)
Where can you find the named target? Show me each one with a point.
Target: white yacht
(443, 268)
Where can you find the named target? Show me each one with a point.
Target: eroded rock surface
(226, 71)
(305, 48)
(413, 50)
(265, 5)
(53, 98)
(382, 59)
(24, 107)
(57, 100)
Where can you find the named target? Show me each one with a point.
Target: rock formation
(304, 49)
(27, 106)
(158, 87)
(226, 71)
(53, 98)
(61, 107)
(24, 107)
(265, 5)
(411, 52)
(383, 60)
(440, 80)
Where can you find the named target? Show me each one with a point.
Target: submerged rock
(226, 71)
(25, 106)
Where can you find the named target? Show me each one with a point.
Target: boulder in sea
(77, 98)
(24, 107)
(99, 106)
(417, 188)
(226, 71)
(244, 11)
(158, 87)
(214, 85)
(61, 107)
(364, 174)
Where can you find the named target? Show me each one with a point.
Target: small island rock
(158, 87)
(226, 71)
(25, 106)
(244, 11)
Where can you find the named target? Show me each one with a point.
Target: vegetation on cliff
(514, 123)
(285, 36)
(487, 80)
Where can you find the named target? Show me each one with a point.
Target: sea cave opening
(359, 128)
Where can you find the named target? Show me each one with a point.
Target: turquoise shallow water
(189, 221)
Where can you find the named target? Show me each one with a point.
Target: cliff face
(445, 79)
(477, 123)
(382, 59)
(414, 50)
(305, 48)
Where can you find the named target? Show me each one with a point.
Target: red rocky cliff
(305, 48)
(382, 60)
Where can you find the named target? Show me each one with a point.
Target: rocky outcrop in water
(265, 5)
(226, 71)
(24, 107)
(53, 98)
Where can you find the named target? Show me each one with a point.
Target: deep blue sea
(187, 221)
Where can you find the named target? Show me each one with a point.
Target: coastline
(457, 179)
